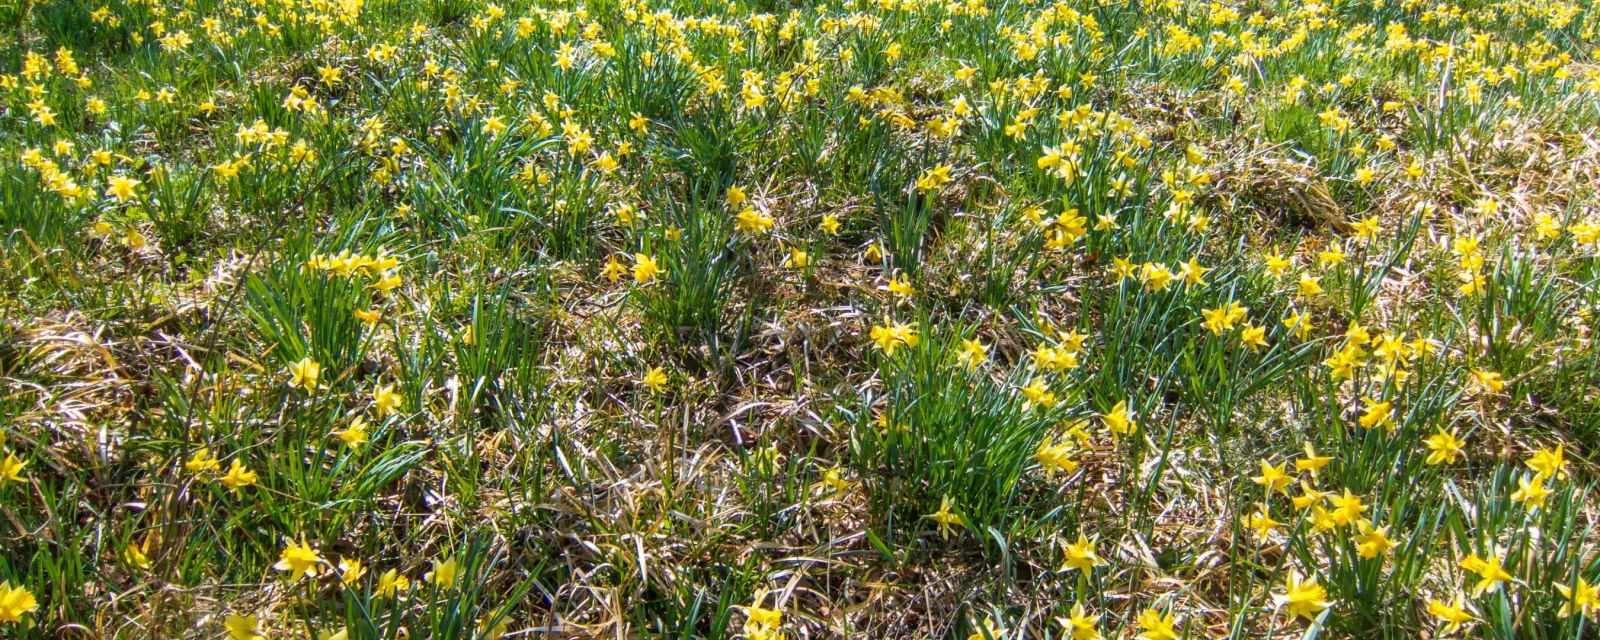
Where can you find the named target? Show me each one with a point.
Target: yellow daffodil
(243, 627)
(1080, 556)
(1273, 478)
(444, 574)
(1120, 420)
(645, 269)
(1302, 598)
(1581, 599)
(946, 517)
(238, 476)
(1154, 625)
(304, 374)
(655, 379)
(298, 559)
(11, 469)
(15, 602)
(1452, 616)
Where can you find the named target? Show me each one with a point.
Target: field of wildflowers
(972, 319)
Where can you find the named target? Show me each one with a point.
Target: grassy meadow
(970, 319)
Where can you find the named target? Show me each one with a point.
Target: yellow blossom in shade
(900, 285)
(1549, 463)
(1377, 414)
(444, 573)
(350, 570)
(386, 283)
(354, 435)
(1298, 322)
(645, 269)
(1261, 524)
(830, 224)
(1253, 337)
(202, 462)
(238, 476)
(1081, 626)
(1277, 264)
(934, 179)
(243, 627)
(1055, 359)
(1531, 492)
(973, 353)
(1311, 462)
(1309, 497)
(1581, 598)
(1356, 335)
(833, 480)
(1489, 570)
(1322, 520)
(655, 379)
(946, 517)
(1488, 381)
(1452, 616)
(1309, 286)
(735, 196)
(1273, 478)
(1039, 395)
(299, 559)
(1371, 541)
(1073, 341)
(613, 270)
(1078, 431)
(1330, 257)
(1153, 625)
(1055, 456)
(16, 602)
(11, 469)
(1443, 446)
(136, 557)
(1081, 556)
(385, 401)
(1344, 362)
(368, 316)
(1236, 312)
(1156, 277)
(1119, 420)
(1302, 598)
(753, 222)
(392, 584)
(798, 258)
(304, 374)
